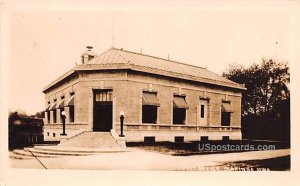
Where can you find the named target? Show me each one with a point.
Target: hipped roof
(122, 59)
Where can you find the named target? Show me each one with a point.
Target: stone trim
(226, 101)
(196, 89)
(204, 98)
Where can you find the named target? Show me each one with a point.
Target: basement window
(179, 139)
(225, 138)
(204, 138)
(149, 139)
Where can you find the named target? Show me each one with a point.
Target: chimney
(87, 55)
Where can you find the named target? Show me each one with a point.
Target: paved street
(138, 159)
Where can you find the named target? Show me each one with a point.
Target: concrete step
(51, 152)
(82, 150)
(46, 144)
(92, 140)
(28, 153)
(18, 156)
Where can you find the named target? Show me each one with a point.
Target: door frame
(92, 91)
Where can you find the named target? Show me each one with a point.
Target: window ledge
(177, 125)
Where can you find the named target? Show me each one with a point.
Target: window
(53, 109)
(226, 110)
(202, 111)
(47, 112)
(179, 110)
(204, 138)
(103, 96)
(149, 114)
(53, 134)
(48, 117)
(70, 104)
(149, 139)
(149, 108)
(47, 133)
(179, 115)
(179, 139)
(225, 118)
(225, 138)
(54, 116)
(61, 106)
(71, 113)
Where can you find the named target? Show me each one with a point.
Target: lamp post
(63, 118)
(122, 122)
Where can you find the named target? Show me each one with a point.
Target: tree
(266, 101)
(266, 83)
(40, 114)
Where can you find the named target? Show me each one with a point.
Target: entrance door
(102, 115)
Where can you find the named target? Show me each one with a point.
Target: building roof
(122, 59)
(59, 79)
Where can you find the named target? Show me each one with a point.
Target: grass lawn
(272, 164)
(194, 148)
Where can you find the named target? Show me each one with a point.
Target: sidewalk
(143, 160)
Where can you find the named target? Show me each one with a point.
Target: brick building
(163, 100)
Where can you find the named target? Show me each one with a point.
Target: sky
(45, 44)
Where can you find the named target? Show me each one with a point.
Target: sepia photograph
(182, 87)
